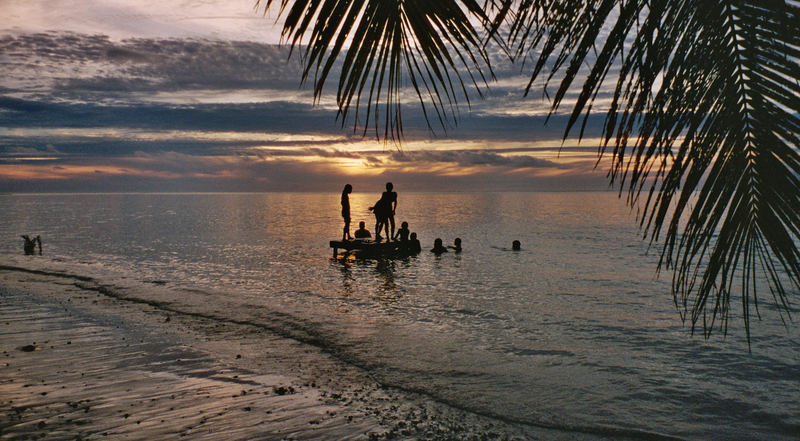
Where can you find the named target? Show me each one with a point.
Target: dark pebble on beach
(283, 390)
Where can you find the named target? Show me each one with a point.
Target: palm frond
(380, 47)
(703, 129)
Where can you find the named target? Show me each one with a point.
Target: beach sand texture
(80, 364)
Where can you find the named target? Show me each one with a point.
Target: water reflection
(347, 276)
(385, 269)
(385, 289)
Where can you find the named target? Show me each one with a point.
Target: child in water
(362, 232)
(413, 244)
(403, 232)
(438, 248)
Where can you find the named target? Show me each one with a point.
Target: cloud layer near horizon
(85, 112)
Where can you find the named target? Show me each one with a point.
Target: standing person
(346, 211)
(384, 212)
(380, 219)
(391, 206)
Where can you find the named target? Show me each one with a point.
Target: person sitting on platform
(456, 245)
(413, 244)
(438, 248)
(403, 232)
(362, 232)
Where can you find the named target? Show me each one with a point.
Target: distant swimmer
(346, 211)
(438, 248)
(516, 246)
(456, 245)
(362, 232)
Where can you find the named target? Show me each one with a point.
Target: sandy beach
(83, 363)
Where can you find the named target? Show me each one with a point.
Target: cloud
(82, 112)
(468, 158)
(221, 19)
(70, 66)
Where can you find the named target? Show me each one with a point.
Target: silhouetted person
(516, 246)
(403, 232)
(380, 221)
(346, 211)
(30, 245)
(456, 245)
(362, 232)
(384, 212)
(413, 244)
(438, 248)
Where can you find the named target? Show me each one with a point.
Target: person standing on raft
(384, 212)
(346, 211)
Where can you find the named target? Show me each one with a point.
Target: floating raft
(369, 247)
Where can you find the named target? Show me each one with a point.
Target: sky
(171, 95)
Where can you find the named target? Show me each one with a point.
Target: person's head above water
(389, 186)
(348, 188)
(516, 246)
(457, 242)
(438, 247)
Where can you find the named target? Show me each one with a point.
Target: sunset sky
(170, 95)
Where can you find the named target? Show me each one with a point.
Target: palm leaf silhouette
(703, 124)
(378, 47)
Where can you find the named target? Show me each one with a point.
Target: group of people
(439, 248)
(384, 211)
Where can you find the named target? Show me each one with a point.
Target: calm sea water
(574, 332)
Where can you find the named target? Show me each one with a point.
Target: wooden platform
(368, 247)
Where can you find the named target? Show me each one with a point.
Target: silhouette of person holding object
(384, 212)
(438, 248)
(362, 232)
(346, 211)
(30, 245)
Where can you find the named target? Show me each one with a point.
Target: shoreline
(106, 366)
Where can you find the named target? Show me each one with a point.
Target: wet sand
(78, 363)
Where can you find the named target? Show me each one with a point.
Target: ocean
(575, 332)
